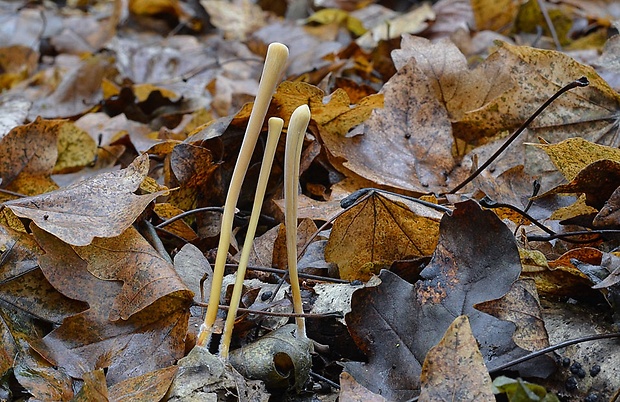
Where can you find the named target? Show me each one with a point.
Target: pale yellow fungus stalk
(275, 62)
(275, 128)
(292, 155)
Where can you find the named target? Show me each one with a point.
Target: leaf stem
(581, 82)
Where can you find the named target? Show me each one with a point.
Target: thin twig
(325, 380)
(283, 272)
(336, 314)
(188, 213)
(581, 82)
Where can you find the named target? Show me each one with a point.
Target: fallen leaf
(376, 232)
(28, 305)
(28, 156)
(150, 386)
(574, 154)
(351, 390)
(457, 87)
(94, 387)
(76, 149)
(102, 206)
(236, 20)
(397, 148)
(397, 323)
(79, 91)
(520, 306)
(152, 337)
(597, 181)
(17, 63)
(413, 22)
(494, 15)
(522, 391)
(454, 369)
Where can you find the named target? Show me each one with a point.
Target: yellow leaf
(572, 155)
(340, 17)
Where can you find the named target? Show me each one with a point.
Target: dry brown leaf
(79, 91)
(494, 15)
(520, 306)
(132, 327)
(407, 144)
(28, 155)
(102, 206)
(415, 21)
(351, 390)
(237, 19)
(376, 232)
(16, 64)
(454, 369)
(454, 84)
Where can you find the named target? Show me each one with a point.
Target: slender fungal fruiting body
(275, 62)
(294, 141)
(275, 128)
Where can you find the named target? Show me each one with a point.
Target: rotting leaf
(378, 231)
(454, 369)
(396, 323)
(281, 359)
(102, 206)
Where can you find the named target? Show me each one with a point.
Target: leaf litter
(155, 98)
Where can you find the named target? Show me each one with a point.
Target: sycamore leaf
(593, 110)
(407, 144)
(102, 206)
(376, 232)
(454, 369)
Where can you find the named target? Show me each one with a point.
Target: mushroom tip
(302, 112)
(278, 49)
